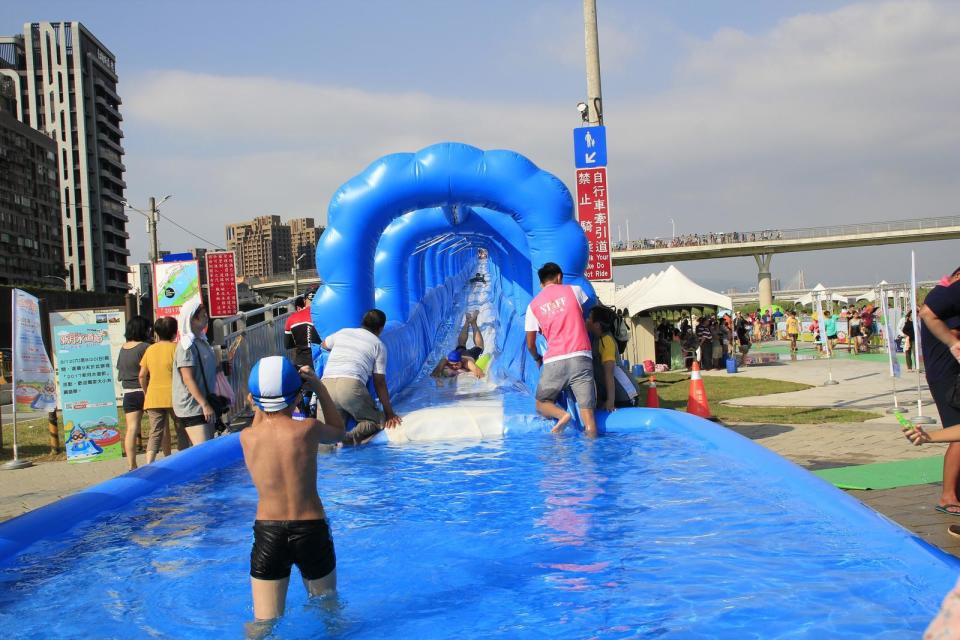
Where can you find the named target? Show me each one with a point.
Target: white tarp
(819, 291)
(669, 288)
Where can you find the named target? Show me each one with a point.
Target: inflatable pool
(471, 521)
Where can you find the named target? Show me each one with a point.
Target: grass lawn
(33, 440)
(674, 387)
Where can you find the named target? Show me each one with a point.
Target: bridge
(762, 245)
(286, 284)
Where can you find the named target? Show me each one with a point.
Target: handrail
(777, 235)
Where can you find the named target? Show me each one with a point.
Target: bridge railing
(261, 334)
(776, 235)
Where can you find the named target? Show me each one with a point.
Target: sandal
(946, 509)
(954, 530)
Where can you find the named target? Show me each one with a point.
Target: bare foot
(561, 423)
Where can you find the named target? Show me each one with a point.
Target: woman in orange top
(156, 380)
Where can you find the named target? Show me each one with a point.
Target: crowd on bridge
(698, 239)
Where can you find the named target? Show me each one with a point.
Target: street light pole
(673, 225)
(594, 98)
(154, 253)
(296, 276)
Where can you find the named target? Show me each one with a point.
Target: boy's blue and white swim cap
(274, 383)
(454, 356)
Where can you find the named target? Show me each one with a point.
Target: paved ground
(863, 383)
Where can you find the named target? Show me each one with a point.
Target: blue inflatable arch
(445, 180)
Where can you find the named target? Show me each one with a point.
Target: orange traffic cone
(697, 399)
(653, 401)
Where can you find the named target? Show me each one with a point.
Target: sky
(751, 115)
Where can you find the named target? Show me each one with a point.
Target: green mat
(885, 475)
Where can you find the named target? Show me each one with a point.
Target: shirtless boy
(281, 455)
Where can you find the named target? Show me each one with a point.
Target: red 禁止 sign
(593, 215)
(222, 284)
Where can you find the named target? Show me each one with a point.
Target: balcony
(112, 178)
(105, 121)
(107, 90)
(105, 139)
(109, 108)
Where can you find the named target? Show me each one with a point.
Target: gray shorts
(575, 373)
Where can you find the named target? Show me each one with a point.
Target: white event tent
(810, 298)
(669, 288)
(664, 290)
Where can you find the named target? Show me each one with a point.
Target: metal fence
(768, 235)
(261, 331)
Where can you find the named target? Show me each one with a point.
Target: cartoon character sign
(80, 446)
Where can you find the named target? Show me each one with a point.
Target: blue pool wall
(932, 570)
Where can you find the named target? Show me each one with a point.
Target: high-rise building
(262, 246)
(303, 242)
(65, 84)
(31, 252)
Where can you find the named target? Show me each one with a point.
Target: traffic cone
(653, 401)
(697, 398)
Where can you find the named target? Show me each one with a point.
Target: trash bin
(638, 371)
(731, 364)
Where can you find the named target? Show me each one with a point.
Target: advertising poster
(222, 284)
(34, 391)
(174, 284)
(113, 319)
(90, 426)
(593, 214)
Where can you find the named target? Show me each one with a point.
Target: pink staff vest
(561, 321)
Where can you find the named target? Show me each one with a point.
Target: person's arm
(473, 368)
(144, 377)
(288, 341)
(918, 436)
(331, 428)
(380, 384)
(532, 347)
(190, 382)
(438, 370)
(940, 330)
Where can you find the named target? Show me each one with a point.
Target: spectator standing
(195, 374)
(866, 326)
(356, 355)
(907, 331)
(830, 327)
(137, 336)
(557, 313)
(940, 340)
(705, 340)
(611, 391)
(299, 334)
(156, 379)
(793, 330)
(856, 337)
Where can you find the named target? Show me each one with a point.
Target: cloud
(825, 118)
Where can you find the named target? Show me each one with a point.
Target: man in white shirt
(355, 355)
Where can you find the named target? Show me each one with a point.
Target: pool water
(636, 535)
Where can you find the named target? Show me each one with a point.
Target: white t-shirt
(355, 353)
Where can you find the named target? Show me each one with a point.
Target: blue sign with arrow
(590, 147)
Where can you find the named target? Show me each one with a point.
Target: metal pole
(296, 282)
(152, 231)
(917, 348)
(16, 463)
(594, 97)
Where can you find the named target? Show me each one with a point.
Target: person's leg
(584, 389)
(157, 419)
(183, 440)
(552, 381)
(465, 331)
(165, 441)
(477, 335)
(951, 474)
(201, 433)
(322, 586)
(355, 400)
(269, 597)
(130, 438)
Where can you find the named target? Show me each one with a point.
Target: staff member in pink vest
(557, 313)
